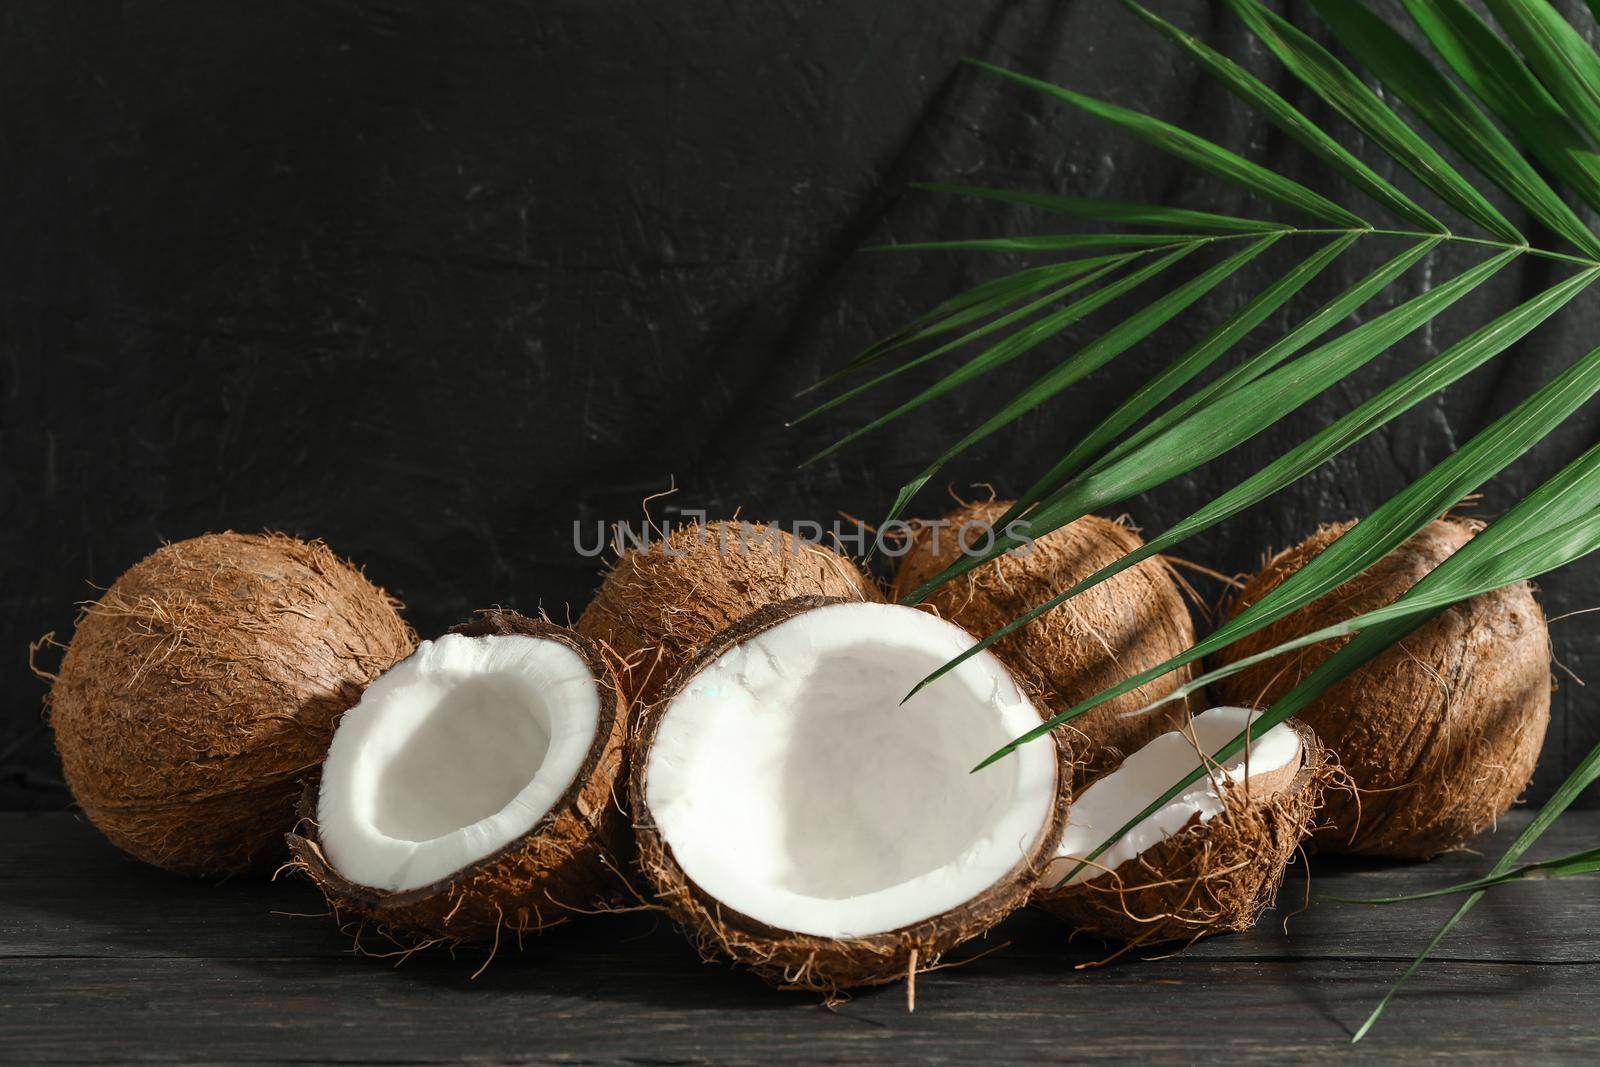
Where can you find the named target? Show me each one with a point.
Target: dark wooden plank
(104, 960)
(553, 1009)
(66, 892)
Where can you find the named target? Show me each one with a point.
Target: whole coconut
(661, 603)
(1440, 733)
(205, 684)
(1124, 625)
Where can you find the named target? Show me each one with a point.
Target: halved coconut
(471, 787)
(793, 815)
(1208, 861)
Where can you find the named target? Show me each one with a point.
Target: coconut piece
(1208, 861)
(1440, 733)
(472, 787)
(660, 604)
(792, 815)
(1124, 625)
(205, 684)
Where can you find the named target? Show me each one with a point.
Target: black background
(434, 281)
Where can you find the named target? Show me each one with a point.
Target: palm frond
(1495, 74)
(1349, 95)
(1195, 149)
(1010, 348)
(1520, 111)
(1560, 56)
(1452, 115)
(1081, 364)
(1282, 114)
(1134, 214)
(1450, 365)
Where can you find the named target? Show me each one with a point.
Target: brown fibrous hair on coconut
(659, 604)
(785, 958)
(204, 684)
(1440, 732)
(1210, 877)
(1126, 624)
(569, 863)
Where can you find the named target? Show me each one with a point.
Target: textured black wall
(433, 281)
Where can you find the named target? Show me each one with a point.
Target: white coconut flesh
(452, 754)
(1267, 764)
(793, 786)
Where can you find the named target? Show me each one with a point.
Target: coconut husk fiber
(1440, 733)
(1126, 624)
(1210, 877)
(205, 684)
(567, 863)
(659, 605)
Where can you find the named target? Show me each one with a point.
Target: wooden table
(103, 960)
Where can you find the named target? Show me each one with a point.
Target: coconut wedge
(794, 816)
(471, 788)
(1211, 859)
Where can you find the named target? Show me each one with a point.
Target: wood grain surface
(104, 960)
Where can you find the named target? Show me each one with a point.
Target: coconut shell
(566, 864)
(785, 958)
(1210, 877)
(1440, 733)
(205, 684)
(659, 605)
(1124, 625)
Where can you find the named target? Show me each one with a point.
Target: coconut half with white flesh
(471, 788)
(794, 816)
(1208, 861)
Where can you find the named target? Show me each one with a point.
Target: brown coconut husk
(1124, 625)
(1210, 877)
(566, 864)
(1440, 733)
(659, 605)
(205, 684)
(784, 958)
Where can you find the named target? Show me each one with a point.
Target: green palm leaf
(1575, 863)
(1287, 118)
(1084, 362)
(1448, 366)
(1055, 242)
(1197, 150)
(1183, 370)
(990, 297)
(1497, 76)
(1110, 210)
(1385, 529)
(1315, 325)
(1005, 351)
(1349, 95)
(1522, 113)
(1445, 108)
(1039, 331)
(1558, 54)
(1229, 421)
